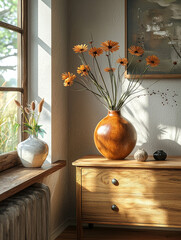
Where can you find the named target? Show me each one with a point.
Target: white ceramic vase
(32, 152)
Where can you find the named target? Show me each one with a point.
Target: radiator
(25, 216)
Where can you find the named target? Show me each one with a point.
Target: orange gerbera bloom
(68, 82)
(122, 61)
(68, 78)
(109, 69)
(65, 75)
(95, 51)
(83, 70)
(153, 61)
(80, 48)
(136, 50)
(110, 46)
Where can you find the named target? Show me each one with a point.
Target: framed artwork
(155, 25)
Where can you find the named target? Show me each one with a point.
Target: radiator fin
(25, 216)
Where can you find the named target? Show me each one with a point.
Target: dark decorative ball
(159, 155)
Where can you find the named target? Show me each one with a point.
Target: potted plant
(32, 151)
(114, 136)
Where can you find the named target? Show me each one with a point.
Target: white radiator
(25, 216)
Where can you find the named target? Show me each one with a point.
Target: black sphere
(159, 155)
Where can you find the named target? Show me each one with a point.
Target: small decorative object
(141, 155)
(117, 139)
(160, 155)
(33, 151)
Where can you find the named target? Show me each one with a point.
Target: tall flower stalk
(115, 97)
(31, 117)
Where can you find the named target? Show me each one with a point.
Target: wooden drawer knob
(115, 182)
(114, 208)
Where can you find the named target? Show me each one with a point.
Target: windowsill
(18, 178)
(9, 160)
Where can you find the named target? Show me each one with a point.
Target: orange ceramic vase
(114, 136)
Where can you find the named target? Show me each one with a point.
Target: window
(13, 70)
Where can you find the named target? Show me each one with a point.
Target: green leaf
(15, 127)
(28, 126)
(41, 132)
(28, 131)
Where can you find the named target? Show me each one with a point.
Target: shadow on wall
(154, 130)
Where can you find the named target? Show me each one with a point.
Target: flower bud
(27, 110)
(40, 105)
(17, 103)
(33, 105)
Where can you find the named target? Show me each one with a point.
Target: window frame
(23, 30)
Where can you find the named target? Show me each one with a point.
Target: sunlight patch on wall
(169, 132)
(44, 16)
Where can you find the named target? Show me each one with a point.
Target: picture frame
(154, 25)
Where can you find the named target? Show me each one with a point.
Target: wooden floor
(120, 234)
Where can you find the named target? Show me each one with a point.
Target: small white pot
(32, 152)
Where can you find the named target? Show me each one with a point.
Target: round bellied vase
(114, 136)
(32, 152)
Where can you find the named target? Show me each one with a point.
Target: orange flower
(80, 48)
(153, 61)
(136, 50)
(109, 45)
(68, 81)
(83, 70)
(68, 75)
(95, 51)
(109, 69)
(65, 75)
(122, 61)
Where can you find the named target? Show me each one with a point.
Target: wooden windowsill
(18, 178)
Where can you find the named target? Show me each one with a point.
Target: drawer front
(138, 196)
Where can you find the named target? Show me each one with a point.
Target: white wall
(157, 127)
(70, 127)
(39, 75)
(47, 59)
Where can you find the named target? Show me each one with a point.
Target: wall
(157, 127)
(47, 58)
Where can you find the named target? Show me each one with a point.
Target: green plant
(32, 118)
(8, 122)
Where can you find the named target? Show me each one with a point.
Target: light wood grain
(120, 234)
(129, 162)
(146, 193)
(8, 160)
(19, 178)
(114, 136)
(143, 197)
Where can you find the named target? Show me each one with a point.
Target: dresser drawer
(141, 197)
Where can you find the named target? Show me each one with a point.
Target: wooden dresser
(127, 192)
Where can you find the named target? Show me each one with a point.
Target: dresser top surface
(129, 162)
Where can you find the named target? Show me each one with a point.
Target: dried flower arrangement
(32, 118)
(113, 98)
